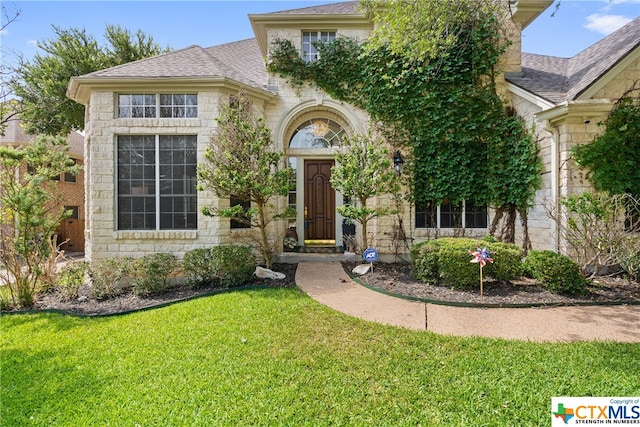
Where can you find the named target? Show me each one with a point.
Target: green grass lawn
(277, 357)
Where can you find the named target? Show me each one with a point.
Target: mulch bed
(391, 278)
(396, 279)
(131, 302)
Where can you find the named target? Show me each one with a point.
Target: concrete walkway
(329, 284)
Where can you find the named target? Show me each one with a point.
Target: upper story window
(448, 215)
(309, 38)
(317, 133)
(169, 105)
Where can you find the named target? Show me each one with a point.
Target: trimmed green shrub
(447, 261)
(235, 264)
(152, 273)
(425, 261)
(70, 279)
(106, 276)
(198, 267)
(226, 265)
(556, 272)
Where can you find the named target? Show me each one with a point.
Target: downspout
(555, 181)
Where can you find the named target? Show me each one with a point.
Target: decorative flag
(481, 256)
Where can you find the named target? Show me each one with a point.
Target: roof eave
(606, 77)
(80, 88)
(526, 11)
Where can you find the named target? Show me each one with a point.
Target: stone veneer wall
(102, 238)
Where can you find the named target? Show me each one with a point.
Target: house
(71, 187)
(149, 122)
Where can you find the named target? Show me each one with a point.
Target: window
(317, 133)
(74, 212)
(448, 215)
(310, 38)
(69, 177)
(163, 105)
(234, 201)
(157, 182)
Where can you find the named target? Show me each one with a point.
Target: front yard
(277, 357)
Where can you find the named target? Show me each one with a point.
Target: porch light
(398, 161)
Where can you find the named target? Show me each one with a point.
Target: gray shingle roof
(346, 7)
(561, 79)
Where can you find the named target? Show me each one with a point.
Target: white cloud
(605, 24)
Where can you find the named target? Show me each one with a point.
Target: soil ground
(391, 278)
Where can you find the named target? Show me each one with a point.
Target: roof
(240, 61)
(565, 79)
(346, 7)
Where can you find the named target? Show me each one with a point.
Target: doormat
(319, 250)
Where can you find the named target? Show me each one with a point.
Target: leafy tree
(30, 213)
(362, 171)
(242, 162)
(8, 110)
(613, 158)
(41, 84)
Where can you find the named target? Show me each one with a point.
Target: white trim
(610, 75)
(528, 96)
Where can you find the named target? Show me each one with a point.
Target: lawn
(277, 357)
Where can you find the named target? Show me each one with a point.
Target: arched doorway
(312, 144)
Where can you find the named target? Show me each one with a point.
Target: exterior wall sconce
(398, 161)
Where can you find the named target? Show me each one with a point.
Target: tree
(30, 213)
(612, 159)
(8, 109)
(241, 162)
(362, 171)
(41, 84)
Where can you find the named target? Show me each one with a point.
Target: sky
(564, 32)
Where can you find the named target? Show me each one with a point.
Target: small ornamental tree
(242, 162)
(30, 213)
(363, 171)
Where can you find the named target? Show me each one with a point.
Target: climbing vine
(438, 99)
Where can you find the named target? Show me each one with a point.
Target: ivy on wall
(439, 101)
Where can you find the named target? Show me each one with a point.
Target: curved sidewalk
(329, 284)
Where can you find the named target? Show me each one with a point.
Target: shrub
(556, 272)
(226, 265)
(70, 279)
(152, 273)
(447, 261)
(628, 256)
(234, 264)
(106, 276)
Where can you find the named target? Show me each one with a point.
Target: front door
(319, 201)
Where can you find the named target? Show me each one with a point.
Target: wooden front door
(319, 201)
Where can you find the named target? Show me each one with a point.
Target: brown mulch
(88, 306)
(391, 278)
(397, 279)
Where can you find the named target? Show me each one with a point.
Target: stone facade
(558, 127)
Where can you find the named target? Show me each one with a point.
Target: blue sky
(574, 26)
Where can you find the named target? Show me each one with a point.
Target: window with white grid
(448, 215)
(170, 105)
(309, 40)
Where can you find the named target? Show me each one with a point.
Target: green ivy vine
(444, 109)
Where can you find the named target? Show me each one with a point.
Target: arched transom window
(317, 133)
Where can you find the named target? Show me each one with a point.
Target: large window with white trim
(156, 188)
(166, 105)
(309, 40)
(449, 215)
